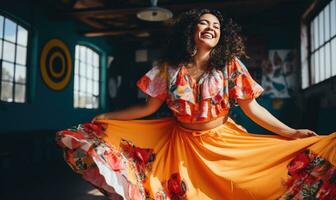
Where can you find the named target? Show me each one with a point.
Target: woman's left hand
(302, 133)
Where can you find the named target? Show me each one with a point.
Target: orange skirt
(158, 159)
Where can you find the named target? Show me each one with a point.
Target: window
(13, 61)
(87, 79)
(322, 42)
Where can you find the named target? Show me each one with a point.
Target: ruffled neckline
(204, 75)
(183, 87)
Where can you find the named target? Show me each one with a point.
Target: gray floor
(56, 182)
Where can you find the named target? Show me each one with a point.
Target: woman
(200, 153)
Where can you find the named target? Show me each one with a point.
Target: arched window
(13, 61)
(87, 78)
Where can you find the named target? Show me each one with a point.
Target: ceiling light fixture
(154, 13)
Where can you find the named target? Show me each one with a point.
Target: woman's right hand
(133, 112)
(99, 117)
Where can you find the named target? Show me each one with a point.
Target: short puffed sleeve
(154, 83)
(241, 84)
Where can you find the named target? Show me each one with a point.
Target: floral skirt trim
(311, 177)
(124, 171)
(99, 163)
(113, 171)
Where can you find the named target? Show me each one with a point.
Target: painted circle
(52, 51)
(52, 66)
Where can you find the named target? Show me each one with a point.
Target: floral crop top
(208, 98)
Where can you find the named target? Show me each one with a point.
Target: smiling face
(207, 31)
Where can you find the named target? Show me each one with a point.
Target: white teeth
(207, 35)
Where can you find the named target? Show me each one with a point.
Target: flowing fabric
(158, 159)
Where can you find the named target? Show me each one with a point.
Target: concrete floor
(56, 182)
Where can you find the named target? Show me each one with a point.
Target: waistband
(199, 132)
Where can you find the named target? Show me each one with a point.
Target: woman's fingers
(301, 133)
(97, 118)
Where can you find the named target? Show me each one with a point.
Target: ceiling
(116, 19)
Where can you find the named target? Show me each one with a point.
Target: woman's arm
(137, 111)
(265, 119)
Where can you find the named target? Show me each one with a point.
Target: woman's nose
(209, 28)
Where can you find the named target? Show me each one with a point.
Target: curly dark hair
(180, 43)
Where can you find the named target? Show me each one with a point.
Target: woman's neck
(201, 58)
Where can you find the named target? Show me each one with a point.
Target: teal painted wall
(47, 109)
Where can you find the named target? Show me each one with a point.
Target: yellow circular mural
(56, 64)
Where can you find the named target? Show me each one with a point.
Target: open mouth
(207, 35)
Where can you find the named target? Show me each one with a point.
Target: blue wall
(47, 109)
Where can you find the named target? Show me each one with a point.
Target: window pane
(89, 56)
(82, 53)
(326, 23)
(76, 66)
(20, 93)
(95, 60)
(6, 91)
(22, 36)
(95, 88)
(9, 51)
(316, 68)
(312, 37)
(88, 101)
(82, 84)
(20, 74)
(76, 99)
(1, 25)
(81, 100)
(322, 64)
(10, 30)
(90, 87)
(96, 74)
(95, 102)
(21, 55)
(76, 86)
(0, 49)
(327, 60)
(90, 72)
(333, 52)
(333, 17)
(321, 28)
(82, 69)
(312, 68)
(77, 52)
(7, 71)
(316, 33)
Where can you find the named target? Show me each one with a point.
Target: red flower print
(296, 167)
(176, 187)
(141, 157)
(94, 128)
(311, 176)
(114, 160)
(320, 170)
(144, 155)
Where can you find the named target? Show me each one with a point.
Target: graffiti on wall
(279, 77)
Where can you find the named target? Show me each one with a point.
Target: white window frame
(318, 45)
(14, 43)
(87, 78)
